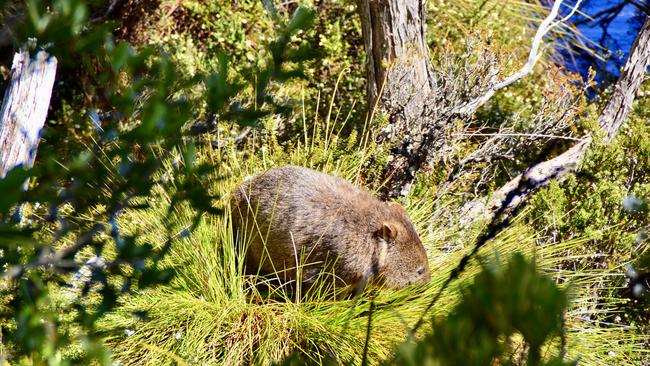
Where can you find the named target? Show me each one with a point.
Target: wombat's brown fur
(293, 215)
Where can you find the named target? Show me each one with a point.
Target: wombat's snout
(424, 273)
(423, 278)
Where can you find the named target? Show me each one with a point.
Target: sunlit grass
(212, 314)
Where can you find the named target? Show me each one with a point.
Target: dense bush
(73, 227)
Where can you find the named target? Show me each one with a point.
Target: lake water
(622, 31)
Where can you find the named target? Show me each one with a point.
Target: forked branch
(535, 54)
(609, 122)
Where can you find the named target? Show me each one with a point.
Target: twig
(239, 139)
(364, 360)
(534, 135)
(109, 11)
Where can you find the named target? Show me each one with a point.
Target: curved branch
(533, 56)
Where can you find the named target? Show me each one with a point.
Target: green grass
(211, 314)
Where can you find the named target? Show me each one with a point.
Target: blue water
(622, 31)
(621, 28)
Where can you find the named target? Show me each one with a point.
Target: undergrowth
(212, 314)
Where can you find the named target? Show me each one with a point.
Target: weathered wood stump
(24, 108)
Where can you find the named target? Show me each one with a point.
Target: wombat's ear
(398, 207)
(388, 231)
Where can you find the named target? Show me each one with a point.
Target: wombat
(293, 217)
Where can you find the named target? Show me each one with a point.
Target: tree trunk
(627, 85)
(610, 120)
(24, 108)
(397, 64)
(400, 81)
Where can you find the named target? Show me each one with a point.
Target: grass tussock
(212, 314)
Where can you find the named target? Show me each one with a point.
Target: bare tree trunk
(401, 86)
(399, 81)
(397, 65)
(628, 84)
(610, 120)
(24, 108)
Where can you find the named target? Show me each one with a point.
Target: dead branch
(610, 120)
(506, 135)
(423, 102)
(534, 55)
(548, 125)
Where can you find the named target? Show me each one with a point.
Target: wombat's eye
(421, 270)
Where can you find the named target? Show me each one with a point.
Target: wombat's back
(293, 217)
